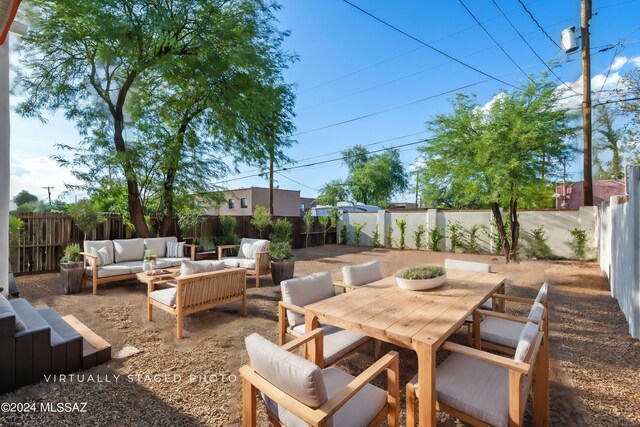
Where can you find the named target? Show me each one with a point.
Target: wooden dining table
(418, 320)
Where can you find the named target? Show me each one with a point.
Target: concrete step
(95, 349)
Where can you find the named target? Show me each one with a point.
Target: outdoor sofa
(115, 260)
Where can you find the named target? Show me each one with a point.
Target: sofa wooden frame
(263, 264)
(319, 417)
(200, 292)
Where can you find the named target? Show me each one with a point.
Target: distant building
(403, 205)
(243, 201)
(571, 195)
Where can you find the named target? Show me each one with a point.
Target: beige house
(243, 201)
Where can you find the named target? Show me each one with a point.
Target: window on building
(232, 203)
(243, 202)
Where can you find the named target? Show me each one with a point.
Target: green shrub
(71, 253)
(455, 231)
(15, 233)
(281, 231)
(435, 237)
(579, 242)
(188, 220)
(472, 245)
(376, 238)
(418, 235)
(357, 232)
(281, 251)
(228, 234)
(86, 216)
(308, 225)
(324, 224)
(421, 272)
(389, 237)
(207, 242)
(537, 245)
(402, 226)
(261, 219)
(344, 235)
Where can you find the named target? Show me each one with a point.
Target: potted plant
(282, 262)
(149, 260)
(71, 269)
(421, 277)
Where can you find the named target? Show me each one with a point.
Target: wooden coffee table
(157, 279)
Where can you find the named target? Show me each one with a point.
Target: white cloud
(618, 63)
(636, 61)
(34, 173)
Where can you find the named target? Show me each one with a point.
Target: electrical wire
(427, 44)
(296, 182)
(494, 40)
(538, 24)
(531, 48)
(615, 54)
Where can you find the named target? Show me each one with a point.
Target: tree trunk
(506, 248)
(515, 228)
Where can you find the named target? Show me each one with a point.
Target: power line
(494, 40)
(615, 54)
(531, 48)
(538, 24)
(296, 182)
(428, 45)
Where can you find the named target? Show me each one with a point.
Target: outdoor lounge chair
(297, 392)
(253, 255)
(361, 274)
(198, 292)
(301, 291)
(485, 389)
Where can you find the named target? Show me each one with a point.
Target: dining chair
(297, 392)
(486, 389)
(300, 291)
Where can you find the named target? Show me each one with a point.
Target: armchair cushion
(289, 372)
(159, 244)
(337, 342)
(128, 250)
(249, 247)
(165, 296)
(528, 334)
(239, 262)
(193, 267)
(305, 290)
(361, 274)
(537, 311)
(501, 331)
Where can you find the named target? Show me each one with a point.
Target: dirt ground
(594, 368)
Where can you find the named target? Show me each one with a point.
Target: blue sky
(352, 66)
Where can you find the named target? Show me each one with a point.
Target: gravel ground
(193, 381)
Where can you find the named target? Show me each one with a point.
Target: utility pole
(49, 193)
(271, 182)
(587, 183)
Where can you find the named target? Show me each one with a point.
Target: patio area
(195, 381)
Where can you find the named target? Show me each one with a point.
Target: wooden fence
(45, 235)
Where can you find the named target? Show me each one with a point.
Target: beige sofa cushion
(159, 245)
(305, 290)
(128, 250)
(94, 246)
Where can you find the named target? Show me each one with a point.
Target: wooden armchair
(253, 255)
(485, 389)
(198, 292)
(296, 391)
(300, 291)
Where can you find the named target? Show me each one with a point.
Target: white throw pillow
(175, 249)
(103, 256)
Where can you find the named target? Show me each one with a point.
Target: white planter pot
(420, 285)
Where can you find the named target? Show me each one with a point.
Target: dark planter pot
(72, 275)
(282, 270)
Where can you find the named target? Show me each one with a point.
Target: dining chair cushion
(358, 411)
(537, 311)
(305, 290)
(527, 336)
(292, 374)
(542, 293)
(165, 296)
(475, 387)
(337, 342)
(361, 274)
(501, 331)
(478, 267)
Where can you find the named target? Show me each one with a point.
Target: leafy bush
(324, 223)
(495, 235)
(228, 234)
(402, 226)
(15, 233)
(435, 237)
(281, 231)
(261, 219)
(579, 242)
(455, 230)
(71, 253)
(188, 220)
(537, 247)
(207, 242)
(421, 272)
(308, 225)
(344, 235)
(86, 216)
(389, 237)
(376, 238)
(357, 232)
(418, 235)
(281, 251)
(472, 245)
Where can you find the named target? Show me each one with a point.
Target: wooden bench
(198, 292)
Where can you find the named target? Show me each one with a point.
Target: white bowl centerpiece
(421, 277)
